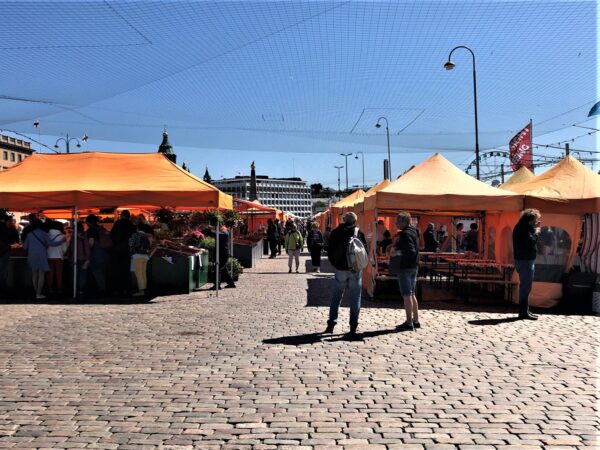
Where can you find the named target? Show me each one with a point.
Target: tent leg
(75, 220)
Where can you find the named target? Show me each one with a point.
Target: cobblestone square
(249, 370)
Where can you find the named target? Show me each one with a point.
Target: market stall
(338, 210)
(433, 191)
(80, 181)
(566, 195)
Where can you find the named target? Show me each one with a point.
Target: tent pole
(75, 220)
(217, 262)
(376, 274)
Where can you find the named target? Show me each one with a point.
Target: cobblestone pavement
(249, 370)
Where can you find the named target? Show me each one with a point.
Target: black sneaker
(230, 286)
(416, 324)
(353, 336)
(329, 329)
(528, 317)
(405, 327)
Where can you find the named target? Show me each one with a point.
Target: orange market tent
(344, 204)
(105, 180)
(520, 176)
(434, 187)
(256, 213)
(563, 195)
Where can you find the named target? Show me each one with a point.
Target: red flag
(520, 149)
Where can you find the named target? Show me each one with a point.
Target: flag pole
(531, 140)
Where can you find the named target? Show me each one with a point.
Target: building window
(5, 155)
(12, 156)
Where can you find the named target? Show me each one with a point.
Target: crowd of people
(101, 258)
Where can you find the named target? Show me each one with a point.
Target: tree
(315, 189)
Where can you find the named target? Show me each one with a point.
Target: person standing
(326, 238)
(281, 236)
(272, 238)
(293, 245)
(525, 238)
(7, 238)
(36, 243)
(407, 247)
(81, 260)
(315, 246)
(346, 280)
(100, 244)
(471, 242)
(120, 261)
(56, 258)
(224, 275)
(431, 243)
(459, 237)
(140, 243)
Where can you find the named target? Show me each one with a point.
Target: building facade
(13, 151)
(291, 195)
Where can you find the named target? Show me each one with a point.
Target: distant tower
(166, 148)
(253, 190)
(207, 177)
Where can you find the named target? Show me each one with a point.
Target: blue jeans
(350, 282)
(525, 269)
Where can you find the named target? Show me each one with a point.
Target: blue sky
(292, 84)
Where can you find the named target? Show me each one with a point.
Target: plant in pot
(234, 267)
(231, 217)
(213, 216)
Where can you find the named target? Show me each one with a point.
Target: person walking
(431, 243)
(37, 243)
(293, 245)
(7, 239)
(56, 258)
(140, 243)
(281, 236)
(407, 247)
(346, 280)
(525, 238)
(315, 246)
(272, 238)
(119, 253)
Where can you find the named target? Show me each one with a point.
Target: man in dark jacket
(345, 278)
(407, 248)
(7, 238)
(224, 275)
(272, 237)
(525, 237)
(119, 253)
(431, 243)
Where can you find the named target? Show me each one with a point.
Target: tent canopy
(437, 185)
(351, 199)
(105, 180)
(253, 207)
(378, 187)
(520, 176)
(568, 187)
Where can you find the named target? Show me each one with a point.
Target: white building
(291, 195)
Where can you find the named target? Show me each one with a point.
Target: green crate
(175, 277)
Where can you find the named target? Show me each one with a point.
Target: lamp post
(449, 66)
(363, 166)
(387, 131)
(345, 155)
(68, 140)
(338, 169)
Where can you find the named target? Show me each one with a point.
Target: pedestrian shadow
(326, 266)
(313, 338)
(487, 322)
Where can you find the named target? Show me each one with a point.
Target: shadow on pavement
(486, 322)
(313, 338)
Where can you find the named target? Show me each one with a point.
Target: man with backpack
(348, 256)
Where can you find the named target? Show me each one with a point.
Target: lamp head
(78, 145)
(356, 157)
(55, 145)
(449, 65)
(377, 125)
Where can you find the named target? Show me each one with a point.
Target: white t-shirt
(60, 251)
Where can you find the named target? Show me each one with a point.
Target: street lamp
(338, 169)
(67, 141)
(387, 130)
(449, 66)
(363, 166)
(345, 155)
